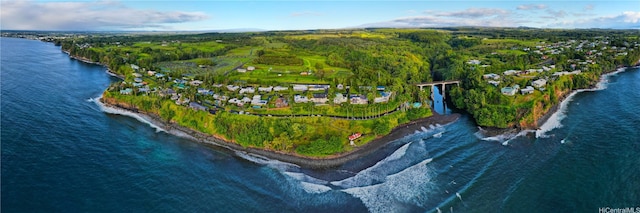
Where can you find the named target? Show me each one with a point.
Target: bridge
(443, 83)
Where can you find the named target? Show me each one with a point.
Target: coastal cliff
(304, 161)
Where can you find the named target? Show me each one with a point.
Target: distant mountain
(237, 30)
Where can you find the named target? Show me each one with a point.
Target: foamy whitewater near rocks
(117, 111)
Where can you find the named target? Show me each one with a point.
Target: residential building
(527, 90)
(339, 98)
(539, 83)
(320, 98)
(300, 99)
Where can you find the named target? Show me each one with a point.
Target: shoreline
(553, 110)
(302, 161)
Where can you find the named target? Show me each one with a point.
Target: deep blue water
(62, 153)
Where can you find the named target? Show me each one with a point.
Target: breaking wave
(276, 164)
(556, 118)
(117, 111)
(398, 191)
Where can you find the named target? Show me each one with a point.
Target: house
(144, 89)
(304, 73)
(385, 97)
(251, 68)
(539, 83)
(126, 91)
(339, 98)
(300, 88)
(491, 76)
(509, 90)
(138, 84)
(340, 87)
(247, 90)
(473, 62)
(358, 99)
(195, 82)
(135, 67)
(494, 83)
(241, 70)
(168, 92)
(279, 88)
(265, 89)
(151, 72)
(160, 75)
(281, 102)
(300, 99)
(232, 87)
(234, 101)
(197, 106)
(257, 101)
(320, 98)
(203, 91)
(317, 87)
(137, 80)
(510, 72)
(355, 136)
(380, 88)
(246, 100)
(137, 75)
(527, 90)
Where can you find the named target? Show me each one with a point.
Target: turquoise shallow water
(62, 153)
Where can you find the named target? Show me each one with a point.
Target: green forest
(375, 69)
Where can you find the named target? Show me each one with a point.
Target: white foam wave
(276, 164)
(314, 188)
(374, 173)
(117, 111)
(406, 187)
(504, 139)
(438, 135)
(305, 178)
(556, 118)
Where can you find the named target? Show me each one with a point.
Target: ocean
(62, 152)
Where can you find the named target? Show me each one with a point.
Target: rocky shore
(303, 161)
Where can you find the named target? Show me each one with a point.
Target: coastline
(542, 125)
(595, 87)
(86, 60)
(302, 161)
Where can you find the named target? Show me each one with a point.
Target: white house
(241, 70)
(510, 72)
(491, 76)
(320, 98)
(265, 89)
(232, 87)
(279, 88)
(527, 90)
(339, 98)
(300, 99)
(494, 83)
(539, 83)
(251, 68)
(473, 62)
(300, 88)
(247, 90)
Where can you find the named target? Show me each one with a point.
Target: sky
(210, 15)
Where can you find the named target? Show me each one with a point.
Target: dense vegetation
(362, 59)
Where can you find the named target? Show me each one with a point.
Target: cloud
(100, 15)
(555, 14)
(474, 13)
(532, 7)
(589, 7)
(470, 17)
(626, 20)
(306, 13)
